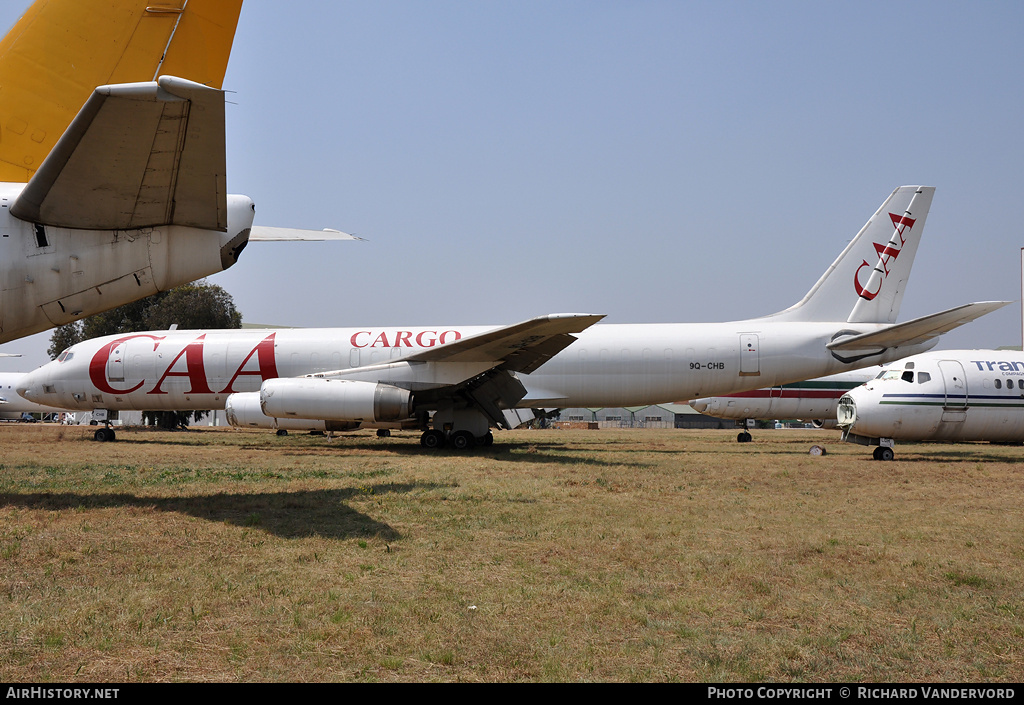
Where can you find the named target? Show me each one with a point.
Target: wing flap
(137, 155)
(918, 330)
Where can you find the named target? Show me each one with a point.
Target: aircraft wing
(136, 155)
(919, 330)
(522, 347)
(478, 371)
(262, 233)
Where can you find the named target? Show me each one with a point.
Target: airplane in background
(112, 162)
(14, 406)
(814, 400)
(457, 382)
(943, 395)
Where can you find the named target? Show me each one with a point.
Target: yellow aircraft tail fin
(61, 50)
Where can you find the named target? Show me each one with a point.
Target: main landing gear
(457, 440)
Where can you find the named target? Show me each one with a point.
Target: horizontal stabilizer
(918, 330)
(264, 234)
(137, 155)
(522, 347)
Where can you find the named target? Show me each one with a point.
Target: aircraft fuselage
(50, 276)
(948, 395)
(608, 365)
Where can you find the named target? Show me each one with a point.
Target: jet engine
(334, 399)
(243, 411)
(823, 423)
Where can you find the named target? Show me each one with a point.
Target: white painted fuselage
(811, 400)
(608, 365)
(947, 395)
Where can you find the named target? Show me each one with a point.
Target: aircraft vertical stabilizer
(61, 50)
(867, 281)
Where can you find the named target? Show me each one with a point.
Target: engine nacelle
(243, 411)
(824, 423)
(334, 399)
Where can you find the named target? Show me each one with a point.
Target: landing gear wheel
(487, 440)
(885, 453)
(462, 440)
(282, 432)
(744, 437)
(432, 439)
(104, 435)
(383, 433)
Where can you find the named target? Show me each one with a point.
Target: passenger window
(1009, 384)
(923, 377)
(999, 384)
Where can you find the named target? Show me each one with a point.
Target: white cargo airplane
(814, 400)
(943, 395)
(456, 382)
(131, 199)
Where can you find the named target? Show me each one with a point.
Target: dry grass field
(225, 555)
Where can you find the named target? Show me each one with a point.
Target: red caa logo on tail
(886, 253)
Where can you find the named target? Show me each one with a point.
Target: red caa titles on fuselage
(141, 369)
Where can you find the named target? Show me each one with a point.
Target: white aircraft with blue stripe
(943, 395)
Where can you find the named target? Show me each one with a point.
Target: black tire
(282, 432)
(383, 433)
(886, 454)
(432, 439)
(744, 437)
(462, 440)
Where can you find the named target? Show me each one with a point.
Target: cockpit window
(896, 374)
(65, 356)
(908, 376)
(923, 377)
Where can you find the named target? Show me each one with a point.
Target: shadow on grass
(289, 515)
(301, 445)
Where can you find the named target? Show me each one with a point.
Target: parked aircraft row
(112, 187)
(112, 163)
(458, 382)
(941, 395)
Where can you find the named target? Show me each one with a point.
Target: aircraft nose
(30, 386)
(25, 389)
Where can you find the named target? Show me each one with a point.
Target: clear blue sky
(653, 161)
